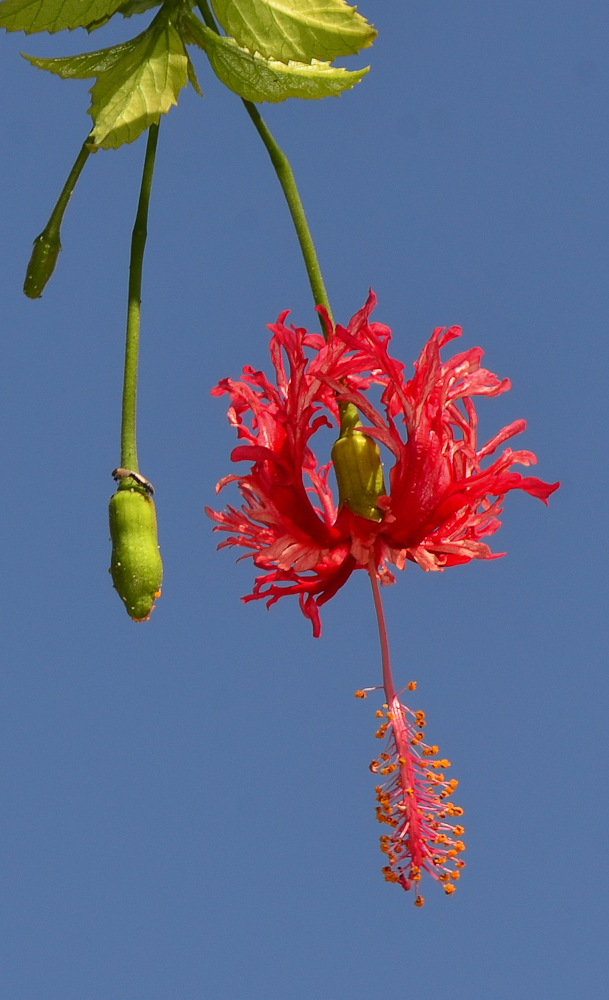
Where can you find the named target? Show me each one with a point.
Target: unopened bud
(136, 567)
(358, 468)
(42, 264)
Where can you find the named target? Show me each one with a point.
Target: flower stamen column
(413, 801)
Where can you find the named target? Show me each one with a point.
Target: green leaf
(192, 77)
(132, 7)
(137, 81)
(88, 64)
(258, 79)
(54, 15)
(138, 88)
(301, 30)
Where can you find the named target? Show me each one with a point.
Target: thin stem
(132, 340)
(47, 244)
(286, 178)
(380, 617)
(56, 217)
(207, 15)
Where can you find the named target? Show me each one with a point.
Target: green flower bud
(357, 464)
(42, 264)
(136, 567)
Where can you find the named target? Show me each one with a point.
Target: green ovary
(136, 567)
(357, 464)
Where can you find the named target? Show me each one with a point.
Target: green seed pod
(357, 464)
(42, 264)
(136, 567)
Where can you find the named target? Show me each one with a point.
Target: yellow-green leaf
(54, 15)
(301, 30)
(140, 87)
(88, 64)
(256, 78)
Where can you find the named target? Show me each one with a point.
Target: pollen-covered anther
(449, 889)
(410, 802)
(458, 830)
(419, 901)
(412, 686)
(374, 766)
(459, 863)
(360, 694)
(378, 714)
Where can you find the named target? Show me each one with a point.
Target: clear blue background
(186, 806)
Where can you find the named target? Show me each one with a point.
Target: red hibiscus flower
(440, 502)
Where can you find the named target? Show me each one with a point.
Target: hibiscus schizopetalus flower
(440, 502)
(439, 505)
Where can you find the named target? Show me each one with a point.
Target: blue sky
(187, 808)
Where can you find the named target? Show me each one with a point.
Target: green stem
(54, 224)
(48, 244)
(290, 190)
(207, 15)
(132, 340)
(288, 184)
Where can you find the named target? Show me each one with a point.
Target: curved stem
(380, 617)
(56, 217)
(47, 244)
(132, 340)
(286, 178)
(207, 15)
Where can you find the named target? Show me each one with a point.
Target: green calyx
(136, 567)
(358, 468)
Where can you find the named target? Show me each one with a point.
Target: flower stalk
(285, 176)
(132, 339)
(48, 244)
(136, 566)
